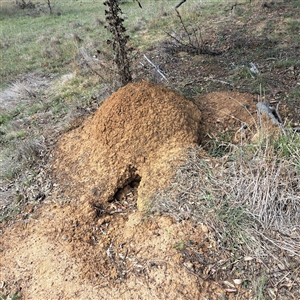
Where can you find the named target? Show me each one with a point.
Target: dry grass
(24, 90)
(23, 154)
(248, 187)
(100, 65)
(250, 198)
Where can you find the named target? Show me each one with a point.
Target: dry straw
(252, 195)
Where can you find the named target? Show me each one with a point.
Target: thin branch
(139, 3)
(156, 67)
(179, 4)
(184, 27)
(277, 113)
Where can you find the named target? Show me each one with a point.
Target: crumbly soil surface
(98, 243)
(132, 139)
(69, 253)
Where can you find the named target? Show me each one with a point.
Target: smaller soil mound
(228, 116)
(132, 139)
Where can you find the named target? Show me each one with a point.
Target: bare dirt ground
(67, 253)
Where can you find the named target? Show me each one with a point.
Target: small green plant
(4, 118)
(285, 145)
(16, 135)
(59, 107)
(180, 245)
(262, 283)
(294, 26)
(220, 145)
(34, 108)
(286, 63)
(217, 148)
(196, 89)
(243, 72)
(16, 296)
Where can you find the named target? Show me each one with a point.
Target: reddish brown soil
(69, 254)
(98, 245)
(227, 113)
(134, 136)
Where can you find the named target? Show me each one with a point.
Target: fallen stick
(156, 67)
(179, 4)
(277, 113)
(220, 81)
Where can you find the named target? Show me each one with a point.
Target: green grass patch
(293, 26)
(286, 63)
(12, 297)
(287, 146)
(16, 135)
(45, 41)
(5, 118)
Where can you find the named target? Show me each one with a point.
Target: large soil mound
(97, 245)
(133, 138)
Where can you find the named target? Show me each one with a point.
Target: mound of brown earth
(230, 116)
(97, 246)
(133, 139)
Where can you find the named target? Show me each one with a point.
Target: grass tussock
(21, 155)
(250, 196)
(250, 200)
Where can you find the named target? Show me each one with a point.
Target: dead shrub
(119, 39)
(23, 4)
(188, 39)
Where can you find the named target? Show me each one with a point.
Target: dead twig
(156, 68)
(221, 81)
(278, 114)
(191, 49)
(179, 4)
(184, 27)
(193, 45)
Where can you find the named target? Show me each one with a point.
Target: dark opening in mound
(128, 193)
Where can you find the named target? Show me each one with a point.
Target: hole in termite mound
(124, 197)
(126, 194)
(129, 192)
